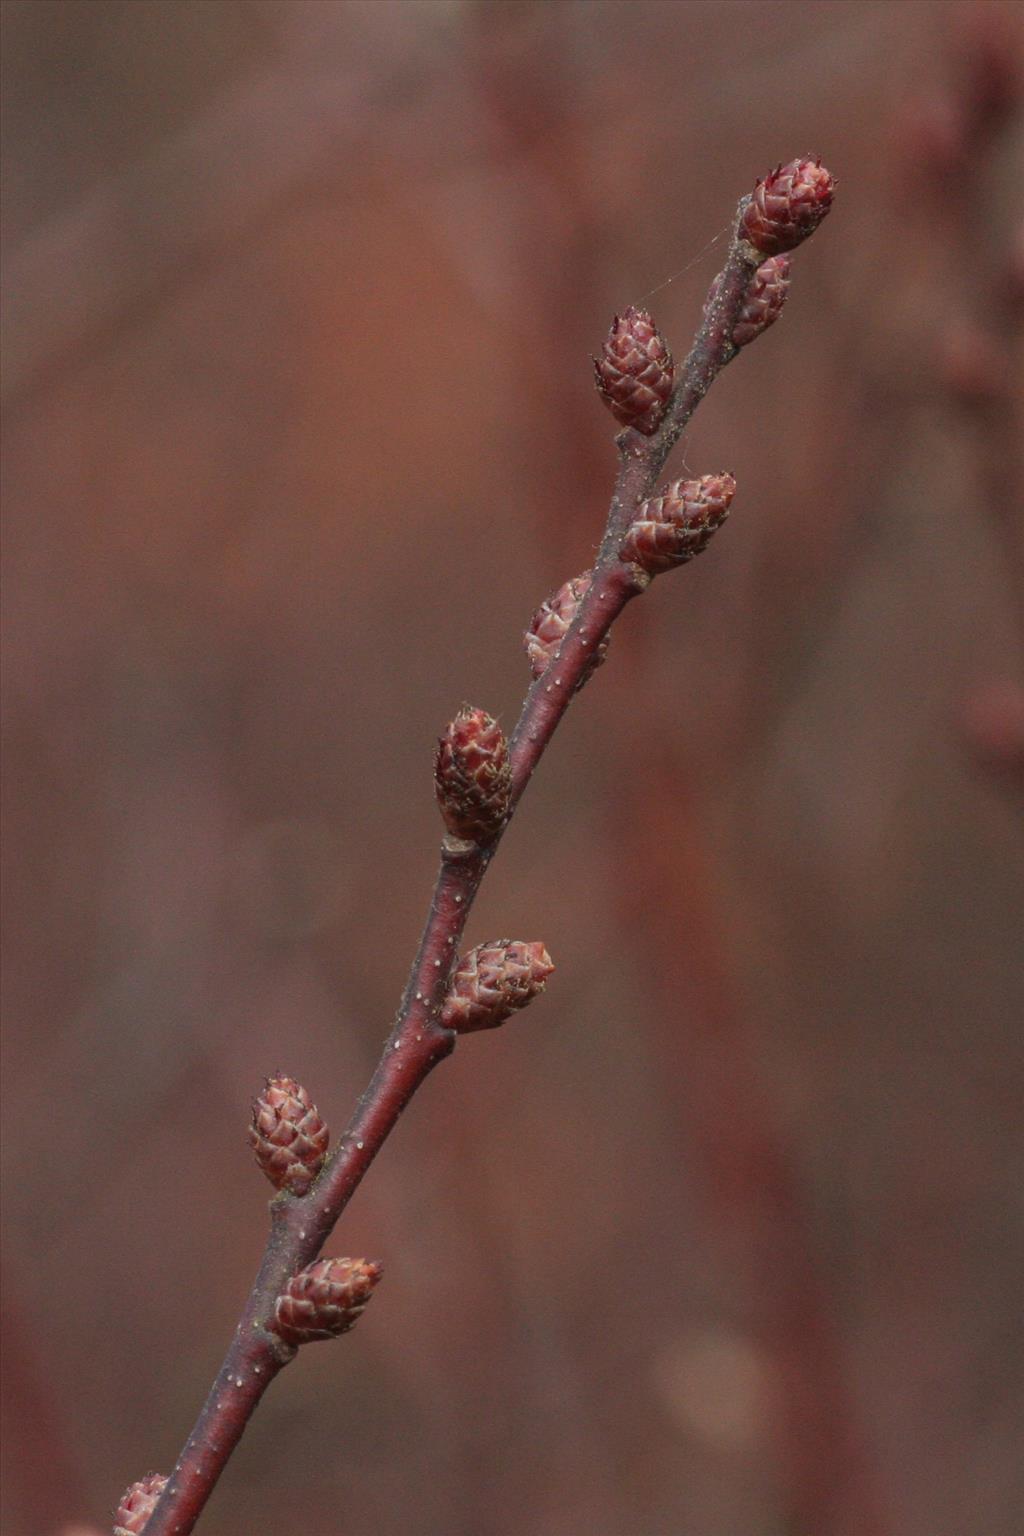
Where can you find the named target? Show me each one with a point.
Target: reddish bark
(419, 1040)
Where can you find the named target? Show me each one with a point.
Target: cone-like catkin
(325, 1299)
(287, 1135)
(492, 982)
(673, 527)
(137, 1504)
(473, 776)
(550, 622)
(763, 301)
(787, 205)
(634, 372)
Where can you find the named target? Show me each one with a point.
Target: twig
(786, 206)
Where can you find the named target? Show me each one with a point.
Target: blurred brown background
(725, 1234)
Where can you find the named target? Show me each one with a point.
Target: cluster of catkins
(635, 373)
(473, 771)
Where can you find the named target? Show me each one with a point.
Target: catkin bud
(763, 301)
(787, 205)
(325, 1299)
(492, 982)
(287, 1135)
(673, 527)
(473, 776)
(634, 372)
(550, 623)
(138, 1503)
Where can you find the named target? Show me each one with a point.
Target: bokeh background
(725, 1234)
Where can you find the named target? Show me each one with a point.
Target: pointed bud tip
(540, 960)
(325, 1299)
(787, 205)
(473, 776)
(493, 981)
(635, 371)
(287, 1135)
(137, 1504)
(677, 524)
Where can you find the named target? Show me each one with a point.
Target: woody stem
(418, 1041)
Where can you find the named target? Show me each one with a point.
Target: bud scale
(787, 205)
(550, 623)
(137, 1504)
(492, 982)
(634, 372)
(764, 299)
(287, 1135)
(677, 525)
(473, 776)
(325, 1299)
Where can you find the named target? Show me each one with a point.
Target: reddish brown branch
(641, 460)
(418, 1040)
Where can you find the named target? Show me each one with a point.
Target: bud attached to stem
(325, 1299)
(763, 301)
(551, 621)
(137, 1504)
(787, 205)
(634, 372)
(473, 777)
(492, 982)
(287, 1135)
(673, 527)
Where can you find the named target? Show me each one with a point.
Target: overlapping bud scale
(137, 1504)
(493, 981)
(678, 524)
(287, 1135)
(550, 623)
(635, 370)
(787, 205)
(473, 776)
(763, 301)
(325, 1299)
